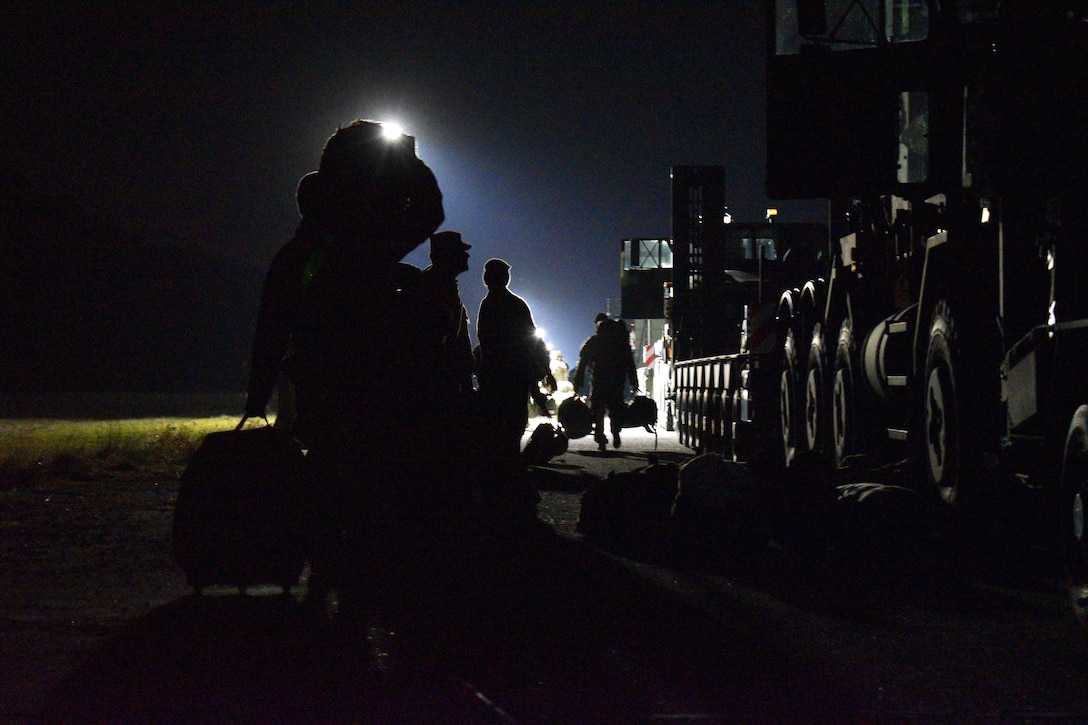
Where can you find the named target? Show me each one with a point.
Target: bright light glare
(540, 332)
(392, 131)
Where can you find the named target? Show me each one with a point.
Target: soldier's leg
(598, 408)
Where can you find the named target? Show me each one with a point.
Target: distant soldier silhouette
(559, 368)
(512, 359)
(606, 356)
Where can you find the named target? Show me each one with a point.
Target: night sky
(551, 126)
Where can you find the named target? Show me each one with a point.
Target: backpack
(721, 513)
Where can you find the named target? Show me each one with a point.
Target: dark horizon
(551, 128)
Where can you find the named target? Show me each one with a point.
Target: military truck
(950, 330)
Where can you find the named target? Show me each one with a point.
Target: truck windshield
(849, 23)
(749, 247)
(647, 254)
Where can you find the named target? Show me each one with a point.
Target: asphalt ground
(536, 629)
(551, 627)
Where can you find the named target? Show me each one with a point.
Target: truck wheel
(816, 416)
(942, 432)
(789, 408)
(844, 405)
(1073, 526)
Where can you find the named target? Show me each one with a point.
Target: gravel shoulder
(78, 560)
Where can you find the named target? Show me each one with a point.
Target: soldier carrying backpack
(606, 356)
(345, 320)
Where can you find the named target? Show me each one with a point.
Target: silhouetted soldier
(449, 258)
(278, 313)
(379, 202)
(349, 304)
(608, 355)
(511, 359)
(449, 425)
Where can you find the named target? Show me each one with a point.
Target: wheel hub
(839, 415)
(784, 406)
(812, 413)
(936, 428)
(1078, 517)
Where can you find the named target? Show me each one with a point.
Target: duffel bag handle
(245, 417)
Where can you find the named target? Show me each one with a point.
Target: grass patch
(85, 449)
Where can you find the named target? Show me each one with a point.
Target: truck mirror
(811, 18)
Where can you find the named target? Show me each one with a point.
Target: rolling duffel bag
(242, 508)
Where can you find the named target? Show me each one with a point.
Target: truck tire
(1073, 524)
(817, 418)
(789, 408)
(853, 425)
(844, 418)
(943, 430)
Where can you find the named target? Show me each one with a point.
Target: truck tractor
(950, 330)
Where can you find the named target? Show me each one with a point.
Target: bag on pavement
(720, 509)
(630, 510)
(545, 443)
(878, 525)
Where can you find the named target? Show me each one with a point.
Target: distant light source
(771, 214)
(392, 131)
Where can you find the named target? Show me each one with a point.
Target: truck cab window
(913, 137)
(849, 23)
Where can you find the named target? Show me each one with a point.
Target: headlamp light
(392, 131)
